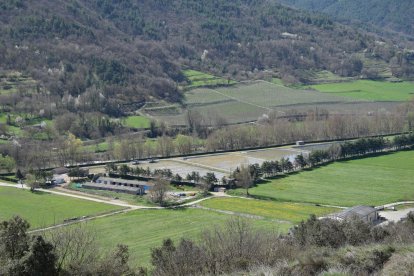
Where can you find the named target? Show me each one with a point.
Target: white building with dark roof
(119, 185)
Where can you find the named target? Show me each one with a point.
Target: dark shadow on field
(39, 193)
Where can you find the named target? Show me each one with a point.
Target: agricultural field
(146, 229)
(270, 95)
(243, 103)
(369, 90)
(367, 181)
(137, 122)
(44, 209)
(200, 79)
(282, 211)
(230, 161)
(275, 153)
(222, 164)
(316, 146)
(224, 161)
(181, 167)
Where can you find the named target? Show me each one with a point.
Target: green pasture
(367, 181)
(285, 211)
(100, 147)
(369, 90)
(137, 122)
(44, 209)
(145, 229)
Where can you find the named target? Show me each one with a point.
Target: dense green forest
(392, 14)
(130, 51)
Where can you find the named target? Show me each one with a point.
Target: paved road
(395, 216)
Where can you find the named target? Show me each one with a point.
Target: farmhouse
(119, 185)
(366, 213)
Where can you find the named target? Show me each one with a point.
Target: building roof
(360, 211)
(124, 181)
(61, 170)
(112, 187)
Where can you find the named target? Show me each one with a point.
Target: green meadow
(137, 122)
(145, 229)
(285, 211)
(367, 181)
(45, 209)
(369, 90)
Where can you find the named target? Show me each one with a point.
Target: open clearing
(369, 90)
(44, 209)
(285, 211)
(146, 229)
(367, 181)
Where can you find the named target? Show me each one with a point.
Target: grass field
(368, 181)
(146, 229)
(43, 209)
(137, 122)
(370, 90)
(285, 211)
(100, 147)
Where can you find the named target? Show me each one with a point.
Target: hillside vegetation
(93, 55)
(393, 14)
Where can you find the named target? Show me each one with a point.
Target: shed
(122, 185)
(300, 143)
(366, 213)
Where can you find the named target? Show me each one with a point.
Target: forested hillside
(97, 54)
(393, 14)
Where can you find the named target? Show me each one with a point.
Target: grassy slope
(43, 209)
(145, 229)
(293, 212)
(371, 181)
(370, 90)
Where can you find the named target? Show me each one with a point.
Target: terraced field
(200, 79)
(243, 103)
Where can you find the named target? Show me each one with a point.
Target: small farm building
(365, 213)
(119, 185)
